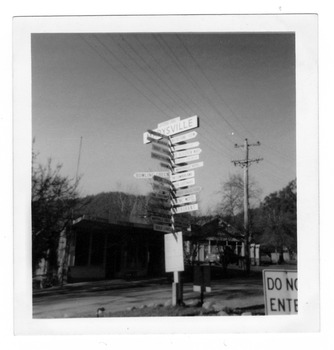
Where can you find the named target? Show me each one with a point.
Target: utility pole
(245, 164)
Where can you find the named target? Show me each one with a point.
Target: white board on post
(174, 252)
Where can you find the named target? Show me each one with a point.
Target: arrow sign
(186, 208)
(184, 137)
(160, 157)
(159, 142)
(182, 176)
(161, 188)
(159, 211)
(184, 183)
(162, 228)
(160, 219)
(185, 199)
(173, 128)
(185, 146)
(186, 159)
(187, 191)
(161, 180)
(188, 167)
(157, 134)
(149, 175)
(159, 203)
(167, 166)
(161, 150)
(164, 196)
(189, 152)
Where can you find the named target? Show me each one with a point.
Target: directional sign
(186, 208)
(185, 199)
(184, 183)
(164, 195)
(162, 228)
(159, 211)
(159, 203)
(189, 152)
(161, 150)
(184, 137)
(167, 166)
(173, 128)
(186, 159)
(161, 188)
(149, 175)
(188, 167)
(157, 134)
(160, 157)
(161, 219)
(161, 180)
(163, 142)
(182, 176)
(187, 191)
(185, 146)
(168, 122)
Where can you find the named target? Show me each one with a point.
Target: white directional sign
(182, 176)
(185, 146)
(162, 228)
(184, 183)
(186, 208)
(186, 159)
(149, 175)
(184, 137)
(185, 199)
(168, 122)
(189, 152)
(173, 128)
(187, 191)
(188, 167)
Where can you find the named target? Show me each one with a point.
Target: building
(95, 249)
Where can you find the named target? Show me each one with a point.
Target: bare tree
(53, 197)
(232, 192)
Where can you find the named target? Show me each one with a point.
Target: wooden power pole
(245, 164)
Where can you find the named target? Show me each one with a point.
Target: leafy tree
(277, 219)
(53, 198)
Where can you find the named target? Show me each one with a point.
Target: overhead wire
(122, 74)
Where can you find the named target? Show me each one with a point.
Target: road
(82, 300)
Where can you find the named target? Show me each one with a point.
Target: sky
(106, 90)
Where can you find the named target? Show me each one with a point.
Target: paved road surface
(82, 300)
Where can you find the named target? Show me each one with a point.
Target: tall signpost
(174, 194)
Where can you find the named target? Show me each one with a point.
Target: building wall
(115, 252)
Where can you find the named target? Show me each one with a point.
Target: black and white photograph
(165, 176)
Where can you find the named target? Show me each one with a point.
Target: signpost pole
(171, 151)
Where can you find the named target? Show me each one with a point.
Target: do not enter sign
(280, 292)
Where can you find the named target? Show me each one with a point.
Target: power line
(123, 76)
